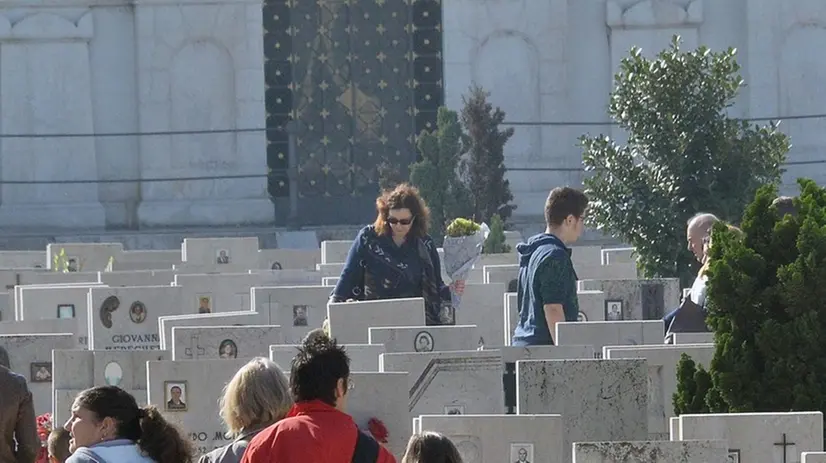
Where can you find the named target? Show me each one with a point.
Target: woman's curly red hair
(404, 196)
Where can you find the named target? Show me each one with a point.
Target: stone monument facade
(124, 66)
(554, 60)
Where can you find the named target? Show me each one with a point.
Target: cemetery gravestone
(31, 357)
(224, 255)
(501, 438)
(695, 451)
(616, 333)
(77, 370)
(774, 437)
(350, 321)
(223, 342)
(297, 309)
(138, 277)
(363, 357)
(425, 338)
(450, 382)
(511, 355)
(240, 318)
(662, 377)
(482, 306)
(126, 318)
(599, 400)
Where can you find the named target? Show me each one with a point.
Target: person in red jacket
(317, 429)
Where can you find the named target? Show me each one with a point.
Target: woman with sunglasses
(395, 257)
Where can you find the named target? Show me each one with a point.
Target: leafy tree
(684, 155)
(483, 167)
(495, 243)
(436, 173)
(766, 296)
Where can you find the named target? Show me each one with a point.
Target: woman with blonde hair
(256, 397)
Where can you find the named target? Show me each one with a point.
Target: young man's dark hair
(563, 202)
(785, 205)
(317, 369)
(317, 428)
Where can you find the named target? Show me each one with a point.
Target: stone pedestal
(46, 88)
(201, 68)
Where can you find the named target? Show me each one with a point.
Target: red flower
(378, 430)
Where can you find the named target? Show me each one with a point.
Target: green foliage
(389, 176)
(462, 227)
(495, 244)
(483, 168)
(766, 294)
(693, 383)
(683, 155)
(435, 174)
(60, 263)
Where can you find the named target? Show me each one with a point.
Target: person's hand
(458, 287)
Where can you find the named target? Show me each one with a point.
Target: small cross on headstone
(784, 444)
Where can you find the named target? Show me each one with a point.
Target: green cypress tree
(495, 243)
(435, 174)
(766, 294)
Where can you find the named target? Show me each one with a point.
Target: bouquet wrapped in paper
(463, 247)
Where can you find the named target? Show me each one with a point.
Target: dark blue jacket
(544, 267)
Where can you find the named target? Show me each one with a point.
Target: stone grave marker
(38, 327)
(374, 395)
(662, 377)
(590, 309)
(31, 357)
(223, 255)
(450, 383)
(693, 338)
(23, 259)
(500, 273)
(599, 400)
(763, 437)
(363, 357)
(39, 302)
(618, 256)
(694, 451)
(82, 257)
(425, 338)
(350, 321)
(138, 277)
(511, 355)
(498, 438)
(635, 299)
(335, 251)
(240, 318)
(813, 457)
(609, 333)
(77, 370)
(17, 300)
(223, 342)
(482, 306)
(289, 259)
(297, 309)
(126, 318)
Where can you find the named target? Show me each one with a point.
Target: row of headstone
(173, 333)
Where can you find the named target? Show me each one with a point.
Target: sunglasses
(395, 221)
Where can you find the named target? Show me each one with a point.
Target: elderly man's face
(695, 236)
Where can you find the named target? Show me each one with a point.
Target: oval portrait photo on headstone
(137, 312)
(423, 342)
(227, 349)
(110, 304)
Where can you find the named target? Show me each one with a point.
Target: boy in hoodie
(546, 287)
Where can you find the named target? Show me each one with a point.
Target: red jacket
(313, 432)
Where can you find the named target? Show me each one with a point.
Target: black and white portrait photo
(454, 410)
(423, 342)
(222, 256)
(521, 453)
(228, 349)
(137, 312)
(300, 315)
(41, 372)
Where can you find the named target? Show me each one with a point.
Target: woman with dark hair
(395, 257)
(108, 426)
(431, 447)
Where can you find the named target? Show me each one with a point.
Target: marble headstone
(223, 342)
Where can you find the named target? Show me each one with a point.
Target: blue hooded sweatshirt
(532, 329)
